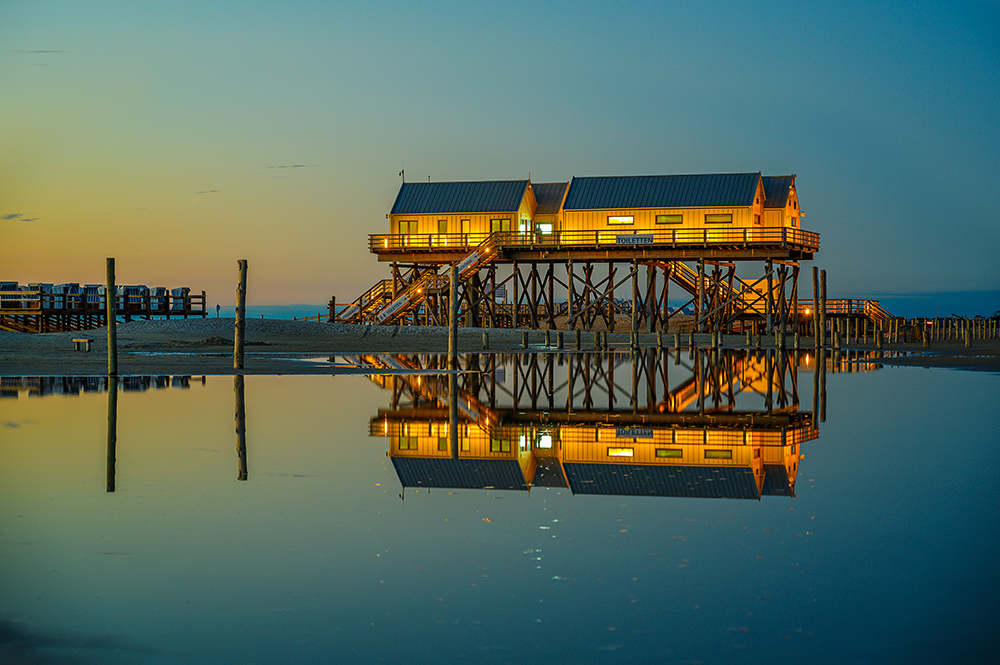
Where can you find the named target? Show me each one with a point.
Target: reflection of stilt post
(112, 429)
(821, 359)
(111, 307)
(241, 425)
(816, 340)
(453, 413)
(241, 311)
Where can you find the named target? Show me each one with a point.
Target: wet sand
(205, 346)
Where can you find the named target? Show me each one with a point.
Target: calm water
(871, 537)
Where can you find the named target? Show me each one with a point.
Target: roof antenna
(428, 178)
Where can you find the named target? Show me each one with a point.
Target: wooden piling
(241, 311)
(815, 321)
(822, 308)
(453, 318)
(111, 311)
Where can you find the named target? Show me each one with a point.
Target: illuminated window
(669, 452)
(544, 441)
(442, 226)
(499, 225)
(407, 443)
(795, 221)
(498, 446)
(442, 443)
(544, 228)
(620, 452)
(726, 218)
(407, 228)
(620, 219)
(718, 454)
(669, 219)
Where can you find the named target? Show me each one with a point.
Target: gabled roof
(501, 474)
(549, 197)
(702, 482)
(776, 188)
(421, 198)
(776, 481)
(662, 191)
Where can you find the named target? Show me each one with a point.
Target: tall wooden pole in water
(822, 308)
(816, 307)
(111, 312)
(453, 319)
(241, 311)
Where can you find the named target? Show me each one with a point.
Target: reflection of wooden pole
(241, 425)
(453, 413)
(241, 310)
(112, 428)
(821, 359)
(111, 312)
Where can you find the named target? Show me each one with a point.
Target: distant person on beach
(217, 308)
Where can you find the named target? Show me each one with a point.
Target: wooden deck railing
(604, 238)
(41, 302)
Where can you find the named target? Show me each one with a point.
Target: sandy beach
(205, 346)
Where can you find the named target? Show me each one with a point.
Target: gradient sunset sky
(179, 137)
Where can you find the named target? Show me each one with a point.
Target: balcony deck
(677, 244)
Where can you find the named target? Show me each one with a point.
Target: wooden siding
(595, 220)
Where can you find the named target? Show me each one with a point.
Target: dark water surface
(871, 537)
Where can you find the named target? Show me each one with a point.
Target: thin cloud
(208, 191)
(16, 217)
(292, 166)
(40, 51)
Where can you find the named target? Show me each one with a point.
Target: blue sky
(179, 137)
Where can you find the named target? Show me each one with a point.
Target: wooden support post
(241, 311)
(453, 413)
(699, 305)
(111, 310)
(822, 308)
(332, 305)
(577, 332)
(815, 319)
(453, 318)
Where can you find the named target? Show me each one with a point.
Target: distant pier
(42, 308)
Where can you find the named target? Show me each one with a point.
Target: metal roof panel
(776, 188)
(724, 190)
(662, 480)
(501, 474)
(420, 198)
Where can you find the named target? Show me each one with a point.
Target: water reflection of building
(41, 386)
(723, 425)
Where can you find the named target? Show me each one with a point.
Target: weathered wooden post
(822, 308)
(241, 311)
(112, 430)
(453, 414)
(239, 393)
(559, 339)
(111, 313)
(453, 318)
(815, 321)
(332, 305)
(486, 340)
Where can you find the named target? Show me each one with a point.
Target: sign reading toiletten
(636, 239)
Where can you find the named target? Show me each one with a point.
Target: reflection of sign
(501, 292)
(467, 262)
(637, 239)
(393, 307)
(633, 433)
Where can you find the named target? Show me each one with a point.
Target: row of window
(670, 452)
